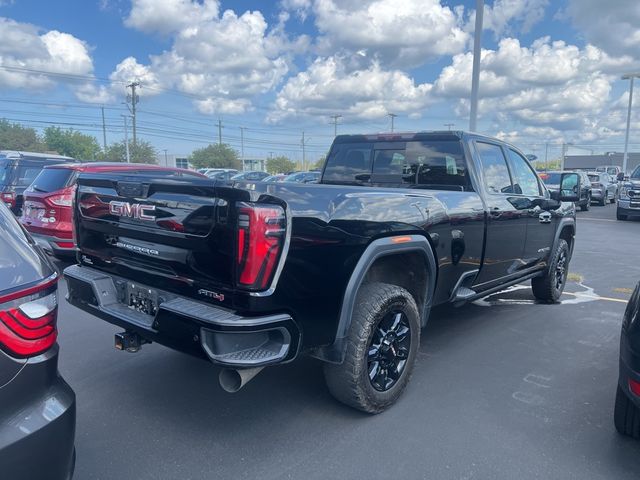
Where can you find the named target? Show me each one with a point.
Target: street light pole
(126, 137)
(630, 77)
(475, 79)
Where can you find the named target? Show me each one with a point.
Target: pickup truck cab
(253, 274)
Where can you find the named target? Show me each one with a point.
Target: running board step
(464, 294)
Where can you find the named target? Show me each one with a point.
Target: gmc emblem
(132, 210)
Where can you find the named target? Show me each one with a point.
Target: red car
(47, 212)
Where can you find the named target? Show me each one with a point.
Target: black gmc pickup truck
(248, 275)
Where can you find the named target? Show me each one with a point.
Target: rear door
(507, 217)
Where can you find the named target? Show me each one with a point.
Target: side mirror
(620, 177)
(569, 187)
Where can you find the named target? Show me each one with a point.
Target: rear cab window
(423, 163)
(52, 179)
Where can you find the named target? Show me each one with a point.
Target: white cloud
(613, 26)
(503, 16)
(406, 33)
(170, 16)
(24, 51)
(222, 59)
(327, 86)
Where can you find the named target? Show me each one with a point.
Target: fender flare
(567, 221)
(381, 247)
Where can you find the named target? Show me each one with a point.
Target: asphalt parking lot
(503, 388)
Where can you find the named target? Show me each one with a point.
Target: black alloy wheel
(389, 350)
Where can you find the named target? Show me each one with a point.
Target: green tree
(280, 164)
(14, 136)
(71, 143)
(215, 156)
(319, 164)
(141, 152)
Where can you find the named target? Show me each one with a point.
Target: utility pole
(475, 78)
(449, 125)
(242, 129)
(546, 156)
(335, 124)
(126, 137)
(133, 98)
(393, 116)
(219, 132)
(104, 131)
(625, 159)
(304, 156)
(166, 160)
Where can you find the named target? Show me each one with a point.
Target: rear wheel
(613, 198)
(626, 416)
(604, 199)
(382, 345)
(549, 287)
(585, 207)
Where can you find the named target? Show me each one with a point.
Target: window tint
(4, 170)
(524, 179)
(349, 162)
(494, 167)
(52, 179)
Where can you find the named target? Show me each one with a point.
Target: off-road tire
(547, 288)
(349, 382)
(626, 415)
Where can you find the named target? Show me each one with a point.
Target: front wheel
(549, 287)
(382, 344)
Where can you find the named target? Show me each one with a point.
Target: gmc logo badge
(132, 210)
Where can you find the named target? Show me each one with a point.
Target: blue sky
(551, 69)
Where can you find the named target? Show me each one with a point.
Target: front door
(506, 220)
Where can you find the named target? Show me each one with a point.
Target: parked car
(47, 212)
(222, 173)
(552, 182)
(278, 177)
(303, 177)
(346, 270)
(629, 196)
(17, 171)
(627, 409)
(252, 176)
(603, 189)
(612, 170)
(38, 413)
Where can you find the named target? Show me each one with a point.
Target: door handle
(545, 217)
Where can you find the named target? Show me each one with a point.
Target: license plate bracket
(141, 299)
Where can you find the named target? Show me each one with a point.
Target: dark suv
(37, 407)
(17, 171)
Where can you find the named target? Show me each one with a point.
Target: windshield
(636, 173)
(551, 178)
(52, 179)
(594, 178)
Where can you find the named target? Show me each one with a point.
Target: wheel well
(567, 234)
(407, 270)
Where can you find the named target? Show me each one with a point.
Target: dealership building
(609, 158)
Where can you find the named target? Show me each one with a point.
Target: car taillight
(64, 198)
(260, 240)
(634, 386)
(28, 319)
(9, 198)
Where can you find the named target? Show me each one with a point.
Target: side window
(26, 172)
(494, 168)
(525, 181)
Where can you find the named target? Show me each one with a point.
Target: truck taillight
(28, 319)
(260, 240)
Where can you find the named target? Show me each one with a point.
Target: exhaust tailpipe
(232, 380)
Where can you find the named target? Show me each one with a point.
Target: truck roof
(97, 167)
